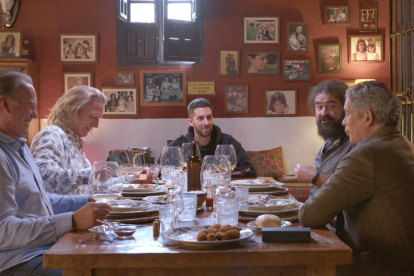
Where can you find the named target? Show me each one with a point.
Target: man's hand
(86, 217)
(304, 173)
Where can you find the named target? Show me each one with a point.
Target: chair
(169, 142)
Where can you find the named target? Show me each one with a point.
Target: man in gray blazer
(373, 185)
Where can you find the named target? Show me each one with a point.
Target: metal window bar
(402, 60)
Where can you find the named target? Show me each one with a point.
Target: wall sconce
(9, 12)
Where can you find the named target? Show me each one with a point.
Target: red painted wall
(42, 21)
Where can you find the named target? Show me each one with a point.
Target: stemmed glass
(212, 175)
(171, 160)
(229, 151)
(105, 183)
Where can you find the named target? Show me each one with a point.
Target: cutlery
(264, 200)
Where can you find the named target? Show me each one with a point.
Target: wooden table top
(144, 250)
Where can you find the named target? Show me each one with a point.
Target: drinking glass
(190, 207)
(228, 150)
(176, 199)
(227, 210)
(186, 149)
(166, 214)
(171, 160)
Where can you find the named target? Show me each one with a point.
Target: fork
(264, 200)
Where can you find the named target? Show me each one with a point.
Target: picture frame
(236, 99)
(297, 36)
(368, 20)
(122, 101)
(261, 30)
(262, 62)
(11, 44)
(78, 48)
(71, 79)
(156, 85)
(366, 48)
(229, 62)
(337, 15)
(330, 58)
(280, 103)
(124, 78)
(296, 70)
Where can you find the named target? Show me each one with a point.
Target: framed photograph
(330, 58)
(11, 44)
(262, 63)
(366, 48)
(78, 48)
(229, 62)
(237, 99)
(71, 79)
(297, 40)
(336, 15)
(163, 88)
(124, 77)
(281, 102)
(261, 30)
(368, 20)
(296, 70)
(122, 101)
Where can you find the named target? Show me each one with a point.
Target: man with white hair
(31, 220)
(373, 186)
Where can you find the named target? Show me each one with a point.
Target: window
(159, 32)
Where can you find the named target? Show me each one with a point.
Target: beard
(200, 133)
(329, 130)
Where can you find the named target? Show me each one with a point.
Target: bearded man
(208, 136)
(327, 102)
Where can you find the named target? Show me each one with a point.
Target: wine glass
(171, 160)
(228, 150)
(186, 149)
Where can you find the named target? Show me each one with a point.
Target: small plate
(274, 204)
(160, 182)
(137, 188)
(159, 189)
(252, 225)
(188, 236)
(127, 205)
(157, 199)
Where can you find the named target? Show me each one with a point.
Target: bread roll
(268, 221)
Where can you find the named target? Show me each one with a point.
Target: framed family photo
(71, 79)
(78, 48)
(122, 101)
(163, 88)
(297, 37)
(124, 77)
(366, 48)
(281, 103)
(368, 20)
(261, 30)
(330, 58)
(296, 70)
(229, 62)
(237, 99)
(11, 44)
(336, 15)
(262, 63)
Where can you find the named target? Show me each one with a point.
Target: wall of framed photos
(228, 25)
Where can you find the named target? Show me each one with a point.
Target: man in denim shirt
(31, 220)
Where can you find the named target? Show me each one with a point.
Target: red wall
(42, 20)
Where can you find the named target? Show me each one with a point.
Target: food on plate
(218, 232)
(266, 180)
(138, 186)
(268, 220)
(143, 177)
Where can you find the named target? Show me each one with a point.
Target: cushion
(269, 162)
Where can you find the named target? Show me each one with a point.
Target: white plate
(274, 204)
(127, 205)
(150, 209)
(188, 236)
(157, 199)
(136, 188)
(157, 190)
(254, 183)
(160, 182)
(295, 207)
(252, 225)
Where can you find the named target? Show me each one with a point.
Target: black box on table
(286, 234)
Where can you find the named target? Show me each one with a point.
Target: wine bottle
(193, 170)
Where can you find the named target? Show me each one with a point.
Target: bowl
(201, 197)
(124, 231)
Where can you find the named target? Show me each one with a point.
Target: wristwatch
(315, 177)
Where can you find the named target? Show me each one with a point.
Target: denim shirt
(30, 219)
(58, 153)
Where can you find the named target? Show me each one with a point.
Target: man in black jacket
(208, 136)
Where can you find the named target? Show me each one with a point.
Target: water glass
(190, 207)
(227, 210)
(242, 193)
(166, 215)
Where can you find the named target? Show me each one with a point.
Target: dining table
(146, 254)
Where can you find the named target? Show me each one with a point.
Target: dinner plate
(146, 211)
(160, 182)
(274, 204)
(252, 225)
(157, 199)
(295, 207)
(154, 191)
(137, 188)
(188, 236)
(127, 205)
